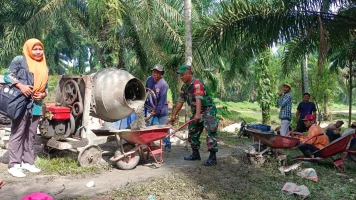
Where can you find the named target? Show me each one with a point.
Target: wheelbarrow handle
(148, 118)
(169, 121)
(184, 125)
(310, 138)
(320, 134)
(290, 132)
(294, 133)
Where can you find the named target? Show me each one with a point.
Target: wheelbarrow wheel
(240, 133)
(351, 155)
(130, 161)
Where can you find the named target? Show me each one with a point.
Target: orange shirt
(319, 141)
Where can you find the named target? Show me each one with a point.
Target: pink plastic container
(37, 196)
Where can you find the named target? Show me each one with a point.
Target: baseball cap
(183, 69)
(309, 117)
(158, 67)
(288, 85)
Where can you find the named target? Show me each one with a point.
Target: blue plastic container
(261, 127)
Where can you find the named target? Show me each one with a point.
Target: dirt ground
(106, 181)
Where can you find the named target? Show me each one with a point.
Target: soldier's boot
(194, 156)
(211, 160)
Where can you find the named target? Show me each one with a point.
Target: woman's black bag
(13, 102)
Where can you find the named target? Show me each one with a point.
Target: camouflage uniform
(189, 93)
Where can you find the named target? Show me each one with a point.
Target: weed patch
(64, 165)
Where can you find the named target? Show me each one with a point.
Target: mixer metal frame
(110, 94)
(87, 140)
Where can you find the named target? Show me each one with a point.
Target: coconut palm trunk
(304, 71)
(350, 90)
(188, 40)
(188, 31)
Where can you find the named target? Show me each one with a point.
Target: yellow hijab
(38, 68)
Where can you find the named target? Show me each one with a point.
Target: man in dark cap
(160, 111)
(204, 111)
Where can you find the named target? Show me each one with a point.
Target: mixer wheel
(90, 155)
(70, 91)
(77, 109)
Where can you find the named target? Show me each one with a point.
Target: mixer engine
(56, 122)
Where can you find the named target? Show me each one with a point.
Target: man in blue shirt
(304, 108)
(160, 111)
(285, 114)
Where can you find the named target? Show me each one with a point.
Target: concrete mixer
(72, 122)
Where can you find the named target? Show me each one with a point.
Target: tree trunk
(327, 115)
(188, 40)
(188, 31)
(350, 90)
(304, 71)
(322, 58)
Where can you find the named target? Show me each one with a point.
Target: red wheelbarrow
(336, 151)
(138, 143)
(268, 142)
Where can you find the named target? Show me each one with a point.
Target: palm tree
(48, 21)
(253, 24)
(344, 57)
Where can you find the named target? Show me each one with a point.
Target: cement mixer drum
(116, 93)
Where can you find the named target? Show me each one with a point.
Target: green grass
(64, 166)
(169, 95)
(238, 105)
(235, 178)
(343, 116)
(335, 106)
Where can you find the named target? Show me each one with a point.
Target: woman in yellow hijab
(24, 128)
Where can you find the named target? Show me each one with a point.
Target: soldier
(204, 111)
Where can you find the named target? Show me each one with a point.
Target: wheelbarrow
(138, 143)
(336, 151)
(268, 142)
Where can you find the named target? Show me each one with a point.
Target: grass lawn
(235, 178)
(64, 163)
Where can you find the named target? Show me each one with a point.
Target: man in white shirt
(334, 130)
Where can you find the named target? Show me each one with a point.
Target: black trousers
(300, 127)
(305, 147)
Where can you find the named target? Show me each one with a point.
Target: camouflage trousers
(210, 123)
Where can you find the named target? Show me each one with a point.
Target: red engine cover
(59, 112)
